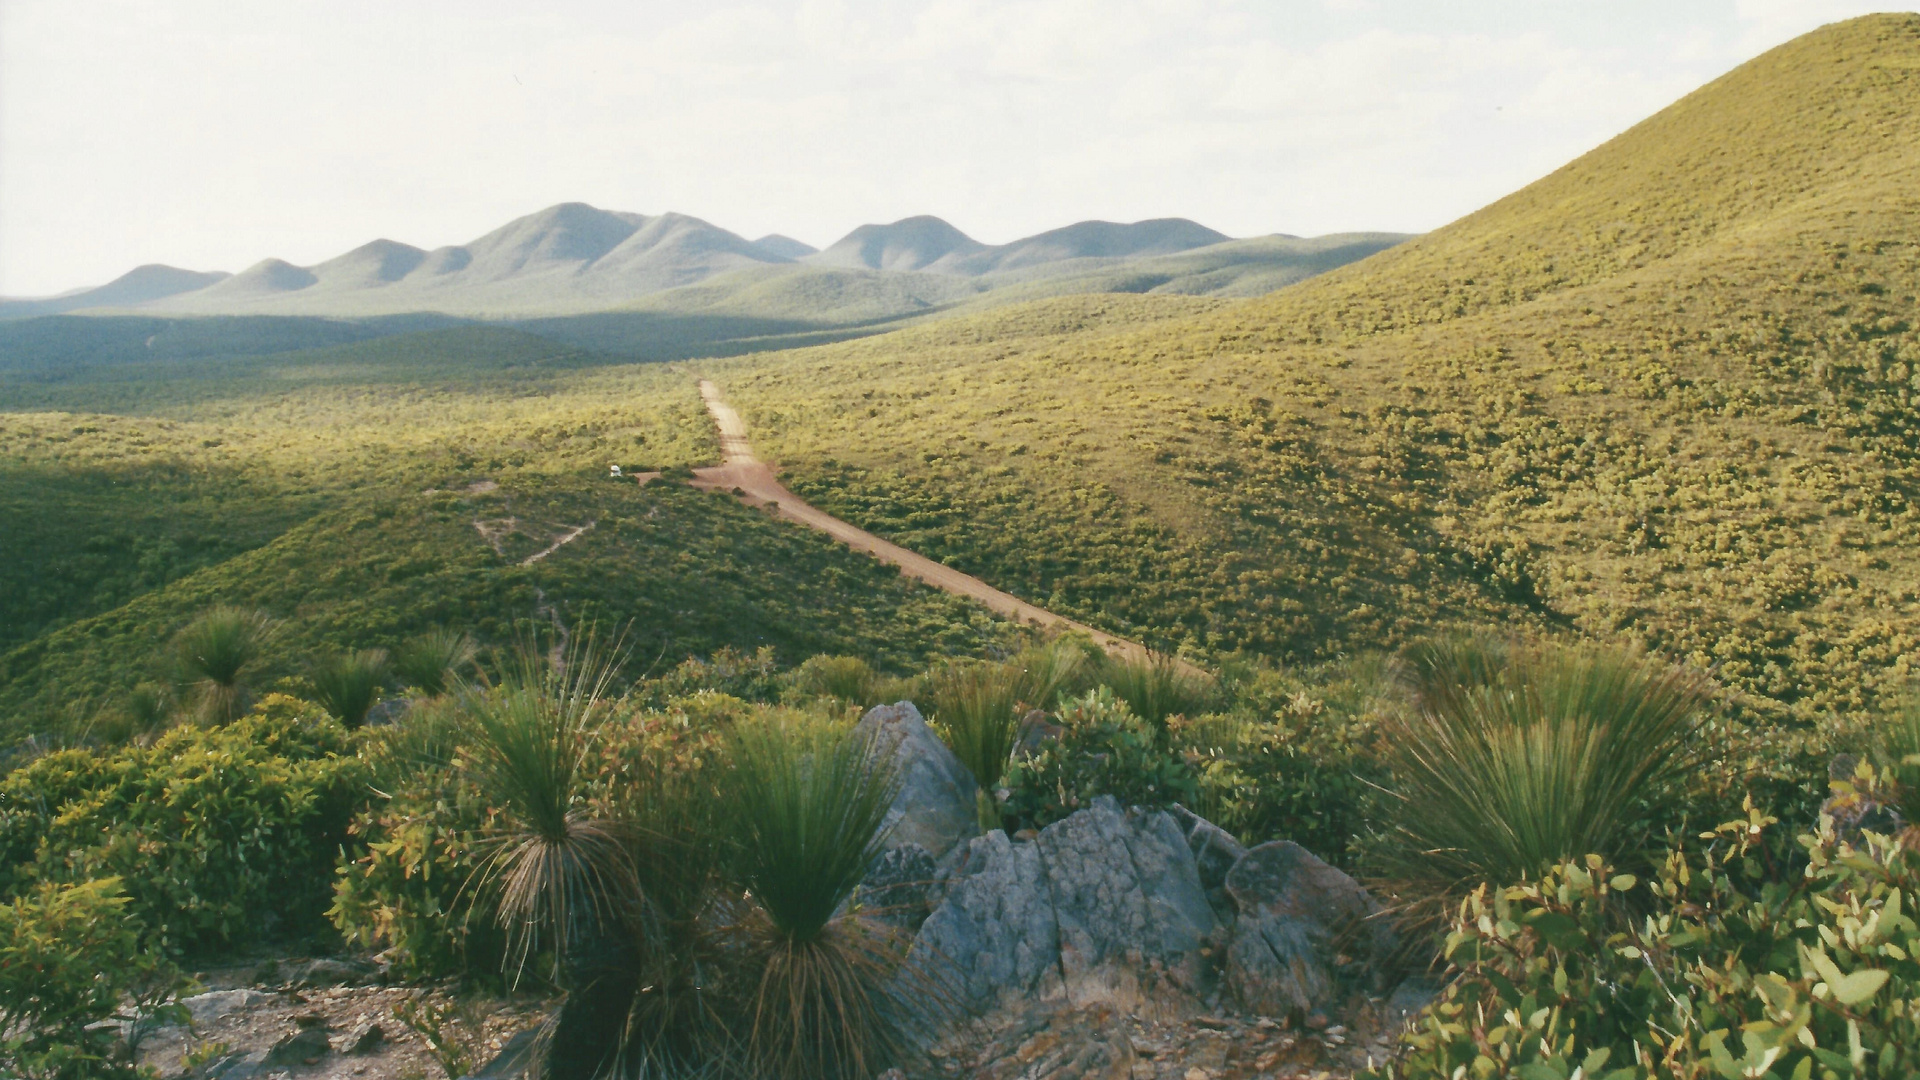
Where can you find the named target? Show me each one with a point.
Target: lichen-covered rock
(1128, 903)
(898, 885)
(1105, 905)
(937, 805)
(992, 934)
(1297, 915)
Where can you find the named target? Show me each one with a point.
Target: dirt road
(753, 481)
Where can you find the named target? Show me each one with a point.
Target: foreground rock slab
(937, 805)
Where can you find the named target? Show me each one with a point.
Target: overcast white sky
(211, 134)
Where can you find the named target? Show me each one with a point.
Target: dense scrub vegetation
(567, 828)
(366, 493)
(1666, 392)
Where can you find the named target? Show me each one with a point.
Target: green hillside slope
(1665, 393)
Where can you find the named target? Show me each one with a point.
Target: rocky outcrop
(1299, 923)
(1151, 909)
(936, 807)
(1104, 905)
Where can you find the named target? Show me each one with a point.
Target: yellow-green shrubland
(1665, 393)
(365, 493)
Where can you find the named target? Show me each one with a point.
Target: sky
(211, 134)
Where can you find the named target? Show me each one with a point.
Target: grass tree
(214, 653)
(347, 684)
(1510, 760)
(1899, 747)
(1156, 687)
(978, 706)
(434, 661)
(806, 801)
(558, 870)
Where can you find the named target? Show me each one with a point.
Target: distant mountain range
(574, 258)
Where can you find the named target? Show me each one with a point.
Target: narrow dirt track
(753, 481)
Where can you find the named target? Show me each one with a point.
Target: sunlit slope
(1665, 393)
(1815, 131)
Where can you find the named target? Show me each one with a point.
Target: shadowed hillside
(1665, 393)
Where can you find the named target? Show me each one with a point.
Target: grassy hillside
(363, 493)
(1665, 393)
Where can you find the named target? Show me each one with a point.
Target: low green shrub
(729, 671)
(1310, 775)
(404, 889)
(1102, 749)
(70, 957)
(846, 679)
(215, 834)
(1733, 961)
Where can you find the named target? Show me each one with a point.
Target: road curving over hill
(754, 483)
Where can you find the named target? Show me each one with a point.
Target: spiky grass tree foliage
(673, 994)
(976, 709)
(1155, 687)
(1512, 760)
(559, 871)
(348, 684)
(1899, 746)
(805, 804)
(149, 707)
(978, 705)
(434, 661)
(214, 652)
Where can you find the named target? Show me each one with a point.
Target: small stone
(1317, 1021)
(311, 1020)
(1337, 1029)
(1213, 1022)
(364, 1038)
(304, 1047)
(1198, 1073)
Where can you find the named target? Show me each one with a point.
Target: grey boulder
(936, 807)
(1300, 923)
